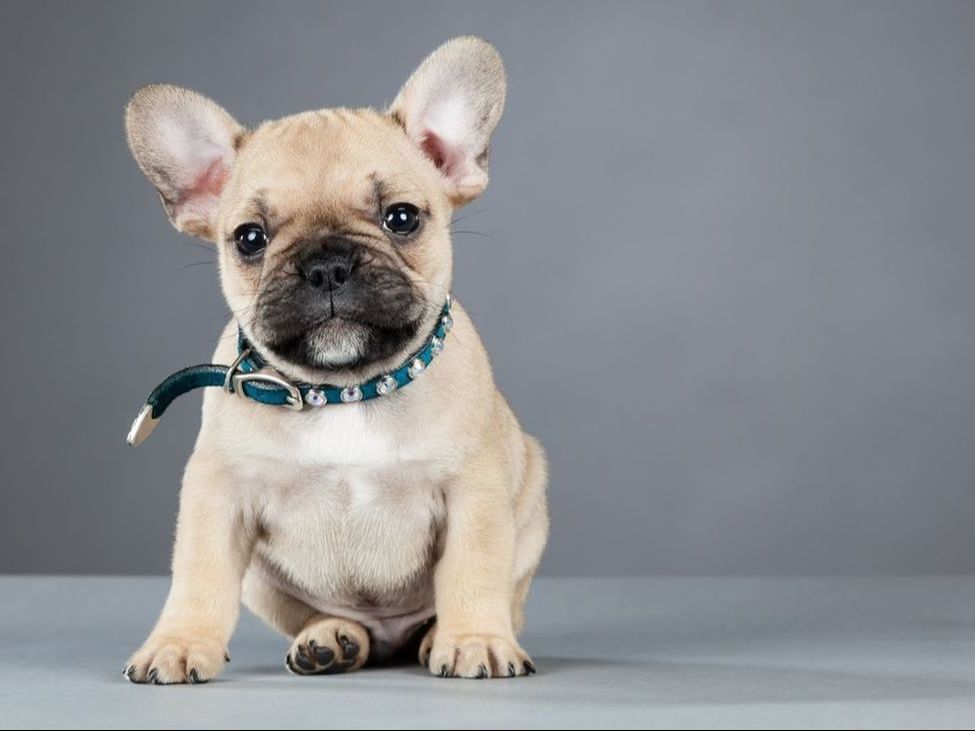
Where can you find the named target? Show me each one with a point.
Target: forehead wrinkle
(271, 215)
(377, 191)
(391, 193)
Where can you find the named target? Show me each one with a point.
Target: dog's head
(332, 226)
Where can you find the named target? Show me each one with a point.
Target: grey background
(728, 275)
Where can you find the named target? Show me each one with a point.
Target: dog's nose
(329, 269)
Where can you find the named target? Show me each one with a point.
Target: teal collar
(249, 376)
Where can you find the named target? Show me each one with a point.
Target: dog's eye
(250, 238)
(401, 218)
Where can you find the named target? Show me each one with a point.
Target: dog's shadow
(634, 683)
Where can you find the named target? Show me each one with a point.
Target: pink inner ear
(209, 183)
(449, 159)
(432, 147)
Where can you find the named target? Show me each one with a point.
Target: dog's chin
(342, 345)
(334, 344)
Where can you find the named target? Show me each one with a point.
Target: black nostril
(338, 273)
(315, 276)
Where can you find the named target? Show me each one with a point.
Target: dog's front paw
(474, 656)
(328, 645)
(169, 659)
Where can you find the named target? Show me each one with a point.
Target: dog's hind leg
(321, 644)
(281, 611)
(531, 521)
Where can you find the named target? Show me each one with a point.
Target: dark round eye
(401, 218)
(250, 238)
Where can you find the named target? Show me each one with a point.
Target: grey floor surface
(852, 652)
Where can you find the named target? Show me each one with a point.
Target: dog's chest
(351, 514)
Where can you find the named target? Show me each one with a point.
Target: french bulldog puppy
(412, 520)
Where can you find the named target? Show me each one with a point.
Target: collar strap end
(142, 426)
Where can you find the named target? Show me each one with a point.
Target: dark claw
(349, 648)
(482, 671)
(130, 673)
(511, 670)
(153, 676)
(444, 671)
(195, 678)
(530, 667)
(226, 657)
(290, 663)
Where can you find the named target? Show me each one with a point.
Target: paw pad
(328, 646)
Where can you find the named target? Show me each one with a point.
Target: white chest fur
(349, 511)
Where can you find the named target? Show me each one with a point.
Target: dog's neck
(251, 377)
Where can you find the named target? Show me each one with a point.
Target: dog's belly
(356, 542)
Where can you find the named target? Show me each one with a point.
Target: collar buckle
(235, 380)
(269, 376)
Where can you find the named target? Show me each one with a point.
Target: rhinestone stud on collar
(351, 394)
(315, 398)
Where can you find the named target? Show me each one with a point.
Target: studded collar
(250, 377)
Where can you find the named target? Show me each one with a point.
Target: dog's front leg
(212, 550)
(473, 636)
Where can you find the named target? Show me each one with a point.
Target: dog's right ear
(186, 145)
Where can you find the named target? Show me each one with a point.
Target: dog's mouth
(339, 342)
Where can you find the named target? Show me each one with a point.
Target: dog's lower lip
(293, 341)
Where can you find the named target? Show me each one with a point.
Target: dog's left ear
(450, 106)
